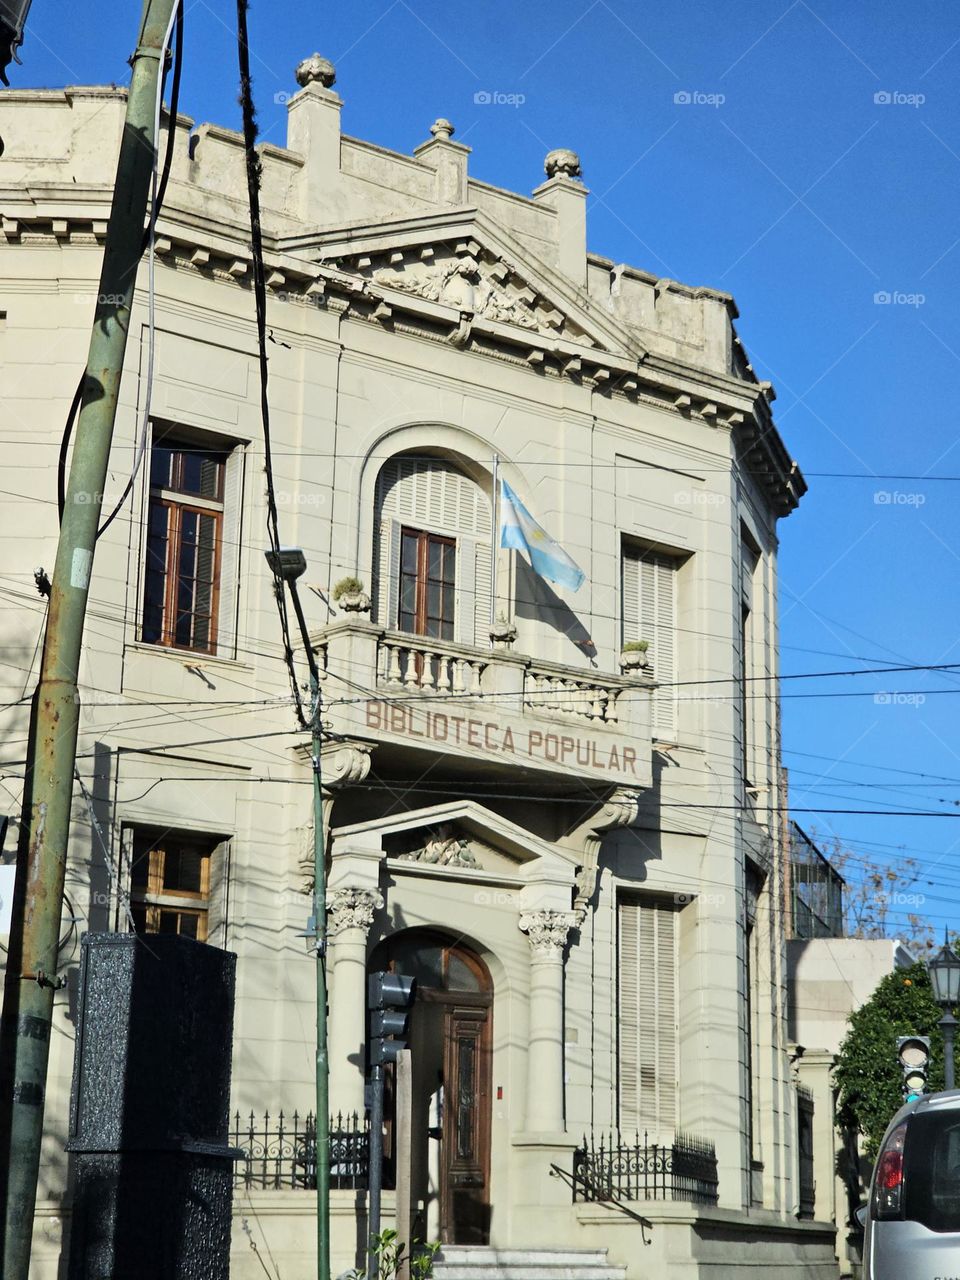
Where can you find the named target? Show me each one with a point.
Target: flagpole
(494, 539)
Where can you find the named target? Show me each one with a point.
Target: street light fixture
(945, 978)
(288, 564)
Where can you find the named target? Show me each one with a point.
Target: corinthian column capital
(547, 931)
(349, 908)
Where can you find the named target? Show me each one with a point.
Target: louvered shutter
(428, 493)
(649, 613)
(648, 1039)
(228, 610)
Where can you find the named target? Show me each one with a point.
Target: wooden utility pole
(31, 976)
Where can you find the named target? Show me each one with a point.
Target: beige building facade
(572, 841)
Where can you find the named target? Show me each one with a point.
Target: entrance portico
(489, 906)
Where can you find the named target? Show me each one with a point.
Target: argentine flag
(519, 530)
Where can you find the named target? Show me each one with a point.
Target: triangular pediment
(461, 260)
(462, 835)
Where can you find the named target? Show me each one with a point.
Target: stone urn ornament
(633, 656)
(350, 595)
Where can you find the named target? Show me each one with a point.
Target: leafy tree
(868, 1076)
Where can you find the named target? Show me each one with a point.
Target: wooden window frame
(422, 581)
(156, 899)
(177, 502)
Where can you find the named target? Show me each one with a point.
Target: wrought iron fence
(280, 1152)
(614, 1169)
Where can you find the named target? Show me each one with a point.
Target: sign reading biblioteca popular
(530, 741)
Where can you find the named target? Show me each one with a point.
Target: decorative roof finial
(442, 130)
(562, 162)
(314, 70)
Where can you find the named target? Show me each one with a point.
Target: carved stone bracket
(619, 810)
(350, 908)
(548, 931)
(342, 764)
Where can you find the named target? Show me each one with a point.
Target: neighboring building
(828, 978)
(578, 853)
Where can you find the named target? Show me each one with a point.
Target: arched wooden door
(450, 1039)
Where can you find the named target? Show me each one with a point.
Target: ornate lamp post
(945, 977)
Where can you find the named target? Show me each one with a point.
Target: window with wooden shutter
(648, 1001)
(433, 497)
(649, 611)
(170, 883)
(183, 596)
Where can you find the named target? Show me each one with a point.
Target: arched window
(431, 552)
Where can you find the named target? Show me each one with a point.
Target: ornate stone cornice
(548, 931)
(351, 908)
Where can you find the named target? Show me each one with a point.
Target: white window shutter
(648, 1017)
(228, 609)
(466, 590)
(649, 613)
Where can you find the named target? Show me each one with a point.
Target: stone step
(480, 1262)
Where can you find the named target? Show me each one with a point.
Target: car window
(932, 1170)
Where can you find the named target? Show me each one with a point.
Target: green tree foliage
(868, 1075)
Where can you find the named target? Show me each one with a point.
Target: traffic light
(913, 1054)
(390, 997)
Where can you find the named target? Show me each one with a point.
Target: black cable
(171, 127)
(65, 445)
(254, 172)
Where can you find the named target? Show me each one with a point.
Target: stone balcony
(493, 708)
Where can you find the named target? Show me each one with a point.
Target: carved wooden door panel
(465, 1146)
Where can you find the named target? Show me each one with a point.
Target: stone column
(349, 917)
(547, 931)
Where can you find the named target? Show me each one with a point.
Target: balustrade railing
(280, 1151)
(612, 1169)
(412, 662)
(587, 699)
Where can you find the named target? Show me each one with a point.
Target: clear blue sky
(785, 181)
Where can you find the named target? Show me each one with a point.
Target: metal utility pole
(288, 564)
(31, 976)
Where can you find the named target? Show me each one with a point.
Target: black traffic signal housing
(913, 1054)
(390, 998)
